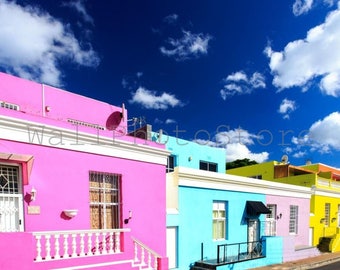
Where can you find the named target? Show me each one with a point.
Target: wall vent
(85, 124)
(9, 106)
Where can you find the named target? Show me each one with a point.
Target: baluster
(149, 259)
(38, 257)
(65, 246)
(57, 247)
(117, 242)
(82, 245)
(97, 243)
(74, 245)
(111, 250)
(48, 246)
(136, 252)
(142, 256)
(155, 263)
(89, 244)
(104, 250)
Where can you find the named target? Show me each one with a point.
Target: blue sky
(258, 78)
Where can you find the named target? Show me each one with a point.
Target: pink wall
(61, 177)
(282, 225)
(33, 98)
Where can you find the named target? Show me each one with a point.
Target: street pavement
(308, 263)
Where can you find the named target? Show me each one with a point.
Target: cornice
(220, 181)
(25, 131)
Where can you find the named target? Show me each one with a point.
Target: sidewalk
(308, 263)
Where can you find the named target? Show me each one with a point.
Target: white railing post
(117, 241)
(74, 245)
(97, 243)
(104, 250)
(57, 247)
(136, 251)
(48, 247)
(111, 247)
(82, 245)
(65, 246)
(89, 244)
(38, 257)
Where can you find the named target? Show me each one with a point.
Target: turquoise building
(213, 219)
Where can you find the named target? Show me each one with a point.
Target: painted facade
(325, 200)
(192, 192)
(72, 195)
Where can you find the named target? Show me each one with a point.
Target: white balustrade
(76, 244)
(140, 251)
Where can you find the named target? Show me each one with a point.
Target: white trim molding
(24, 131)
(219, 181)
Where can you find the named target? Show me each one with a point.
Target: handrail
(81, 231)
(239, 252)
(146, 247)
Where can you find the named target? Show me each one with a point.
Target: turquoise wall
(195, 221)
(188, 154)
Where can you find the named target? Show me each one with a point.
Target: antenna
(122, 114)
(284, 159)
(140, 120)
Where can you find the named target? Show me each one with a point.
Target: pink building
(76, 192)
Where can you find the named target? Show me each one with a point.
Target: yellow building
(323, 180)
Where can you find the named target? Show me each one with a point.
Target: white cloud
(188, 46)
(171, 19)
(236, 142)
(33, 44)
(239, 83)
(240, 151)
(302, 6)
(300, 154)
(150, 100)
(170, 121)
(305, 60)
(287, 107)
(79, 6)
(322, 136)
(326, 132)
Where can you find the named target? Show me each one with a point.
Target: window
(208, 166)
(293, 219)
(272, 208)
(259, 176)
(105, 200)
(9, 179)
(327, 213)
(270, 223)
(219, 220)
(171, 164)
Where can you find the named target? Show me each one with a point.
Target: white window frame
(293, 219)
(103, 204)
(219, 217)
(327, 214)
(208, 164)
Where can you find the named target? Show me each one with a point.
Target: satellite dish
(284, 159)
(114, 120)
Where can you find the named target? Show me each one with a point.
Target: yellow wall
(266, 169)
(318, 213)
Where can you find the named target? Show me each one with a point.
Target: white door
(171, 246)
(253, 233)
(11, 199)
